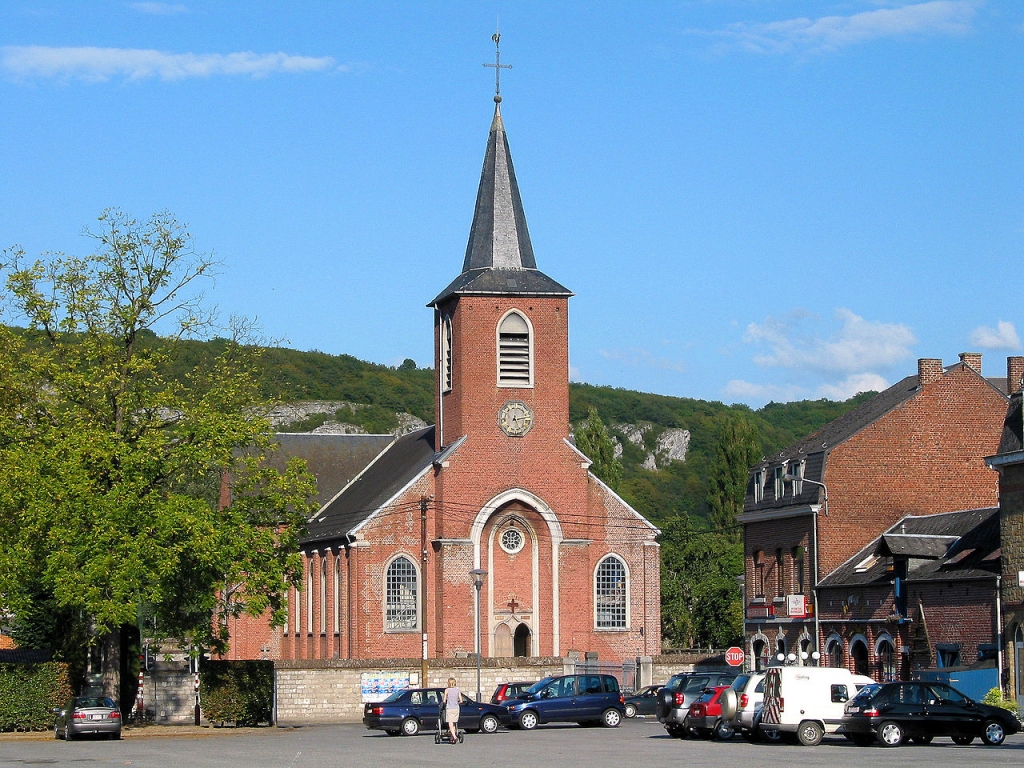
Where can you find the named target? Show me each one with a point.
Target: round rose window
(512, 540)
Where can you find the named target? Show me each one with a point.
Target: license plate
(95, 717)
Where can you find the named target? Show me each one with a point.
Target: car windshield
(740, 682)
(867, 692)
(540, 685)
(394, 697)
(706, 696)
(946, 693)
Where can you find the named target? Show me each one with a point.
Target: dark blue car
(409, 712)
(569, 698)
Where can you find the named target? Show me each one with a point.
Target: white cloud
(1003, 336)
(853, 385)
(746, 391)
(938, 17)
(859, 344)
(636, 357)
(100, 64)
(159, 9)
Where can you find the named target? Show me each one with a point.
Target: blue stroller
(442, 735)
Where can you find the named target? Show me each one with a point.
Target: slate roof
(333, 459)
(401, 462)
(947, 546)
(499, 255)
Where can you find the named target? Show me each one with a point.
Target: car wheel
(809, 733)
(962, 740)
(675, 732)
(489, 724)
(724, 731)
(528, 720)
(862, 739)
(611, 718)
(631, 710)
(410, 726)
(993, 733)
(922, 739)
(890, 734)
(68, 735)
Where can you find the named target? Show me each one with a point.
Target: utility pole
(423, 587)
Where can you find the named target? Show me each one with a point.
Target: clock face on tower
(515, 418)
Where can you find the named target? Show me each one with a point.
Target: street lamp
(478, 581)
(814, 547)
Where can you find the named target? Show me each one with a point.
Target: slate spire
(499, 256)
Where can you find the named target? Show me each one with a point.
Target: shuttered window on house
(515, 352)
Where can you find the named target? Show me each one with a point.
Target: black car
(409, 712)
(891, 713)
(643, 702)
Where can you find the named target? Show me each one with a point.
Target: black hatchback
(891, 713)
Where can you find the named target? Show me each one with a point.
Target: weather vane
(498, 66)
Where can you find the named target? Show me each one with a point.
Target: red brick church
(496, 485)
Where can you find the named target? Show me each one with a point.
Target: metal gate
(625, 672)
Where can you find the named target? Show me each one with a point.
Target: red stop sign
(734, 656)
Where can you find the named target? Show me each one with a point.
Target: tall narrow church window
(309, 597)
(337, 594)
(323, 595)
(610, 593)
(446, 354)
(401, 601)
(515, 352)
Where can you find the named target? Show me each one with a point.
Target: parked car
(891, 713)
(94, 715)
(643, 702)
(414, 710)
(569, 698)
(711, 714)
(808, 702)
(749, 693)
(681, 690)
(506, 691)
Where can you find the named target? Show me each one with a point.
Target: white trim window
(796, 469)
(515, 351)
(779, 485)
(401, 593)
(323, 595)
(611, 594)
(337, 594)
(758, 486)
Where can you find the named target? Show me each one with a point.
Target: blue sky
(753, 200)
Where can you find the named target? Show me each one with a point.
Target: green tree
(593, 440)
(113, 499)
(736, 450)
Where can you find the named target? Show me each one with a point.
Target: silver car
(93, 715)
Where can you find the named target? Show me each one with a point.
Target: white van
(807, 701)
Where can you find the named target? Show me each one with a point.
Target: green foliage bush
(239, 692)
(995, 698)
(29, 693)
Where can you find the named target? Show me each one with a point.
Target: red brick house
(495, 485)
(915, 449)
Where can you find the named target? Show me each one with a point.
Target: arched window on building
(759, 650)
(610, 594)
(400, 611)
(309, 596)
(885, 652)
(834, 652)
(337, 594)
(859, 655)
(323, 594)
(515, 351)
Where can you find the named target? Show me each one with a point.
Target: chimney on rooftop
(1014, 374)
(929, 369)
(972, 359)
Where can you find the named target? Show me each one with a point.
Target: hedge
(30, 692)
(239, 692)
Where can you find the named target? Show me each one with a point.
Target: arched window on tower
(446, 354)
(401, 595)
(515, 351)
(610, 593)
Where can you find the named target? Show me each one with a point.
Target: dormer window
(446, 354)
(796, 469)
(515, 351)
(758, 486)
(777, 482)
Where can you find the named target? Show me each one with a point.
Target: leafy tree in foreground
(111, 500)
(593, 440)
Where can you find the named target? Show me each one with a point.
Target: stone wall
(170, 696)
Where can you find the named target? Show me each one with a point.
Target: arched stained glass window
(610, 593)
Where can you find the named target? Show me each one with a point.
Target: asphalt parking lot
(635, 744)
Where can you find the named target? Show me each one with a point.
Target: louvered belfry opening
(514, 368)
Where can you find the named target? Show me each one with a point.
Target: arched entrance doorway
(521, 641)
(859, 654)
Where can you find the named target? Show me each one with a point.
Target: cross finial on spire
(498, 66)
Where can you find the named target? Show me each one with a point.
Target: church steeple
(499, 256)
